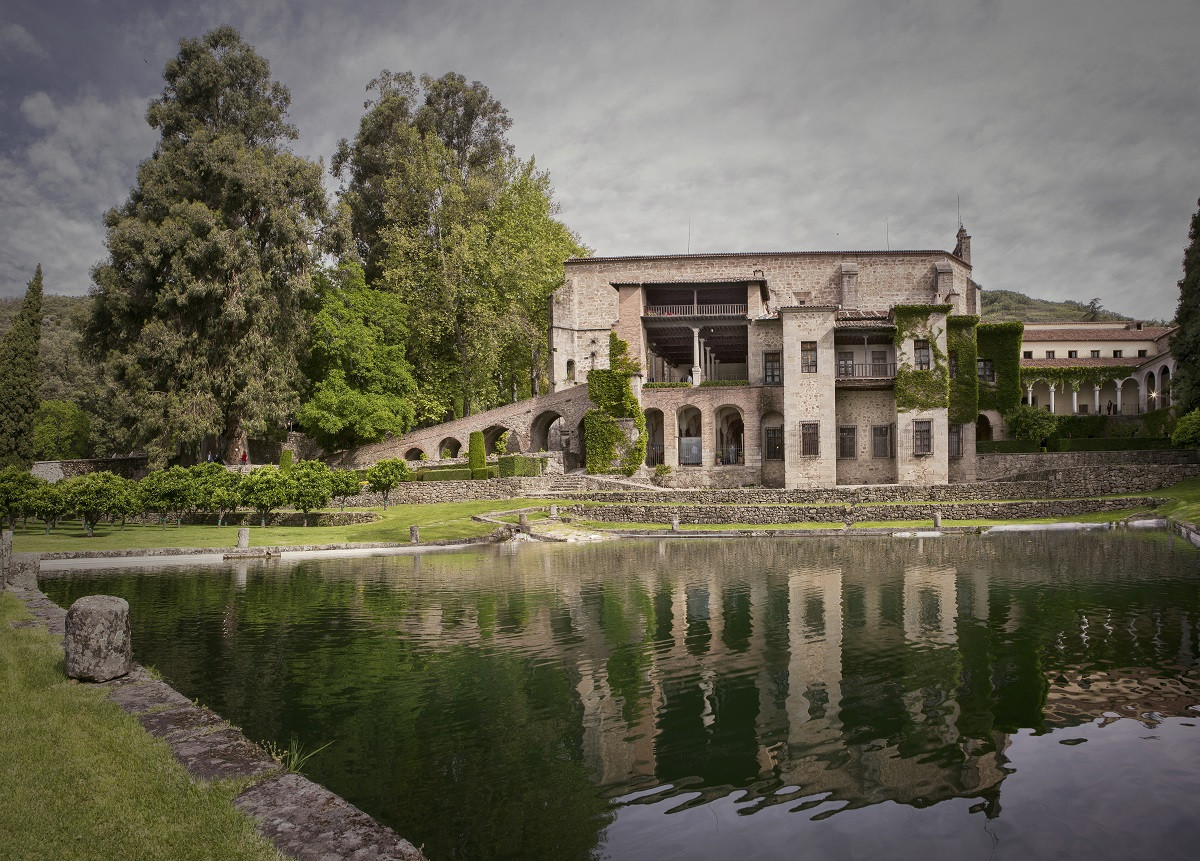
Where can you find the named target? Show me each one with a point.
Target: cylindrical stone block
(243, 538)
(674, 522)
(414, 534)
(23, 572)
(523, 521)
(553, 510)
(97, 642)
(937, 520)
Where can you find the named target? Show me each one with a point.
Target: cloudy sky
(1070, 129)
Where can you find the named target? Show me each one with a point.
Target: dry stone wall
(993, 467)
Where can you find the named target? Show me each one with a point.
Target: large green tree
(20, 381)
(447, 219)
(198, 317)
(1185, 346)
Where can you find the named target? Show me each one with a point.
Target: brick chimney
(963, 249)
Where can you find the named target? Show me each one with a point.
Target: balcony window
(808, 357)
(952, 360)
(848, 442)
(845, 364)
(772, 369)
(922, 438)
(773, 443)
(921, 355)
(810, 439)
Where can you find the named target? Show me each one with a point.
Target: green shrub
(476, 451)
(264, 489)
(520, 466)
(461, 473)
(1081, 427)
(1031, 423)
(724, 383)
(1110, 444)
(1001, 343)
(311, 486)
(386, 475)
(679, 385)
(1187, 430)
(1159, 423)
(285, 460)
(662, 470)
(481, 474)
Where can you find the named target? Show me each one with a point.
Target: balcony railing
(723, 310)
(869, 371)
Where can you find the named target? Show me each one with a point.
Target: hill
(64, 376)
(1003, 305)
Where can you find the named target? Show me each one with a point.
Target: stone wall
(863, 410)
(993, 467)
(767, 514)
(57, 470)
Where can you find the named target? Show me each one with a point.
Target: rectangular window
(1028, 354)
(848, 442)
(772, 369)
(773, 443)
(985, 370)
(954, 443)
(810, 439)
(808, 357)
(1072, 354)
(921, 356)
(952, 361)
(1142, 354)
(1095, 354)
(882, 441)
(922, 438)
(845, 364)
(1049, 354)
(1118, 354)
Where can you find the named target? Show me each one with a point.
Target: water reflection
(500, 704)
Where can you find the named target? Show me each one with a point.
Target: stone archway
(730, 430)
(449, 447)
(689, 422)
(414, 453)
(983, 429)
(548, 432)
(655, 437)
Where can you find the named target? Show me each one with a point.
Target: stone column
(1052, 398)
(1097, 388)
(1029, 394)
(1120, 384)
(695, 356)
(97, 641)
(1074, 401)
(243, 538)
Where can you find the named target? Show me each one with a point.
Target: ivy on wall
(964, 386)
(1001, 343)
(920, 389)
(1074, 377)
(606, 447)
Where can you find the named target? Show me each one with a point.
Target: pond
(1009, 696)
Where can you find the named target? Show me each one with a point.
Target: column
(695, 355)
(1120, 384)
(1052, 397)
(1097, 388)
(1029, 394)
(1074, 401)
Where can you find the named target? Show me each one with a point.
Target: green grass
(81, 779)
(437, 521)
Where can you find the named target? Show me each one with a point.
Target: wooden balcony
(722, 310)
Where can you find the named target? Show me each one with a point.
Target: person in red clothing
(243, 458)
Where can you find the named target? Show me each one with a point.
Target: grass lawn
(438, 521)
(81, 779)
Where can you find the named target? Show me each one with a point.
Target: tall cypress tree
(1186, 344)
(20, 380)
(199, 312)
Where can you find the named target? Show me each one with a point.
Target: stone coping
(303, 819)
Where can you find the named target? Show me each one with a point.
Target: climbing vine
(964, 385)
(611, 392)
(1074, 377)
(1001, 344)
(920, 389)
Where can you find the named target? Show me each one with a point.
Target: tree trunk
(236, 440)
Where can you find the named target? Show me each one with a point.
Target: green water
(1019, 696)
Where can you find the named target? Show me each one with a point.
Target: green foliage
(286, 456)
(1000, 342)
(481, 474)
(1160, 422)
(964, 386)
(1081, 427)
(61, 431)
(19, 378)
(264, 489)
(48, 503)
(476, 451)
(1185, 344)
(1109, 444)
(1000, 306)
(344, 483)
(95, 494)
(610, 390)
(169, 491)
(601, 436)
(501, 444)
(198, 312)
(920, 389)
(667, 386)
(1007, 446)
(662, 470)
(619, 359)
(1075, 378)
(1187, 430)
(311, 486)
(386, 475)
(16, 485)
(515, 465)
(1026, 422)
(363, 387)
(461, 232)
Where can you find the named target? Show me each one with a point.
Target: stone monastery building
(795, 369)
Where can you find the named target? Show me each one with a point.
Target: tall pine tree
(198, 318)
(20, 381)
(1185, 346)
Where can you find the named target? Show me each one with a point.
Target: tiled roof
(750, 254)
(1104, 362)
(1088, 333)
(852, 318)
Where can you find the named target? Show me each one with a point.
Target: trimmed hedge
(679, 385)
(1006, 446)
(1110, 444)
(462, 473)
(480, 474)
(520, 466)
(476, 451)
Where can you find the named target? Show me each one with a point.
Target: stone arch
(730, 429)
(983, 429)
(655, 437)
(1130, 390)
(548, 432)
(689, 420)
(1164, 387)
(493, 433)
(414, 453)
(451, 445)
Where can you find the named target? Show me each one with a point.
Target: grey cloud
(15, 40)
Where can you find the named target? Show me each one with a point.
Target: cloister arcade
(1145, 390)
